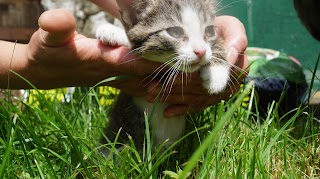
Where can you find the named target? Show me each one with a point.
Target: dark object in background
(277, 77)
(309, 13)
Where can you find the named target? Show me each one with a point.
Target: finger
(155, 87)
(132, 86)
(234, 34)
(125, 61)
(176, 110)
(232, 55)
(243, 63)
(193, 87)
(188, 99)
(191, 98)
(188, 79)
(57, 27)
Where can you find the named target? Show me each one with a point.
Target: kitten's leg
(128, 117)
(215, 77)
(112, 35)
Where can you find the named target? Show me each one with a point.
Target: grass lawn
(46, 138)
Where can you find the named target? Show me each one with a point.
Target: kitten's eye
(210, 31)
(176, 32)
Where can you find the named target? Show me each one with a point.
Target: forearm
(108, 5)
(12, 58)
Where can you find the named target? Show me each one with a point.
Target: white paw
(109, 34)
(215, 78)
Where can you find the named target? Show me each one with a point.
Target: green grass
(46, 138)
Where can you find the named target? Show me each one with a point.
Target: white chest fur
(162, 128)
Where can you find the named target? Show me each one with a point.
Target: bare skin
(57, 56)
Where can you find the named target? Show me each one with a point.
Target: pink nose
(200, 53)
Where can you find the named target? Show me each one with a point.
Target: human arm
(10, 60)
(57, 56)
(109, 6)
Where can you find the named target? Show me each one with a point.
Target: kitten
(181, 35)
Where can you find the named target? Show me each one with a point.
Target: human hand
(195, 98)
(57, 56)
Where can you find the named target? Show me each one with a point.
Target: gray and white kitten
(181, 35)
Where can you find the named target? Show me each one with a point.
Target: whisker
(158, 71)
(168, 87)
(166, 82)
(170, 79)
(173, 70)
(136, 49)
(226, 63)
(128, 61)
(234, 70)
(228, 5)
(234, 81)
(165, 75)
(182, 85)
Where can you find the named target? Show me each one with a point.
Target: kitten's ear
(128, 13)
(132, 10)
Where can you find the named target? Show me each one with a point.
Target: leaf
(171, 174)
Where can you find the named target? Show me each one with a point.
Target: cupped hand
(190, 96)
(57, 56)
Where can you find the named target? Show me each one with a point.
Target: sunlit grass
(54, 139)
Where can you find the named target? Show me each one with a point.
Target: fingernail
(169, 114)
(232, 55)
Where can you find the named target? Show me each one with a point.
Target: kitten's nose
(200, 53)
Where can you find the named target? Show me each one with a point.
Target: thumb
(57, 27)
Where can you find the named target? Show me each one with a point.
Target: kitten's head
(180, 33)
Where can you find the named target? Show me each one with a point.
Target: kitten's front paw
(215, 78)
(109, 34)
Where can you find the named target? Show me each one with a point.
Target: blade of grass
(313, 78)
(57, 155)
(10, 139)
(63, 126)
(102, 82)
(11, 134)
(276, 137)
(39, 169)
(219, 126)
(149, 145)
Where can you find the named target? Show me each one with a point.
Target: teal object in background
(271, 64)
(277, 77)
(274, 24)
